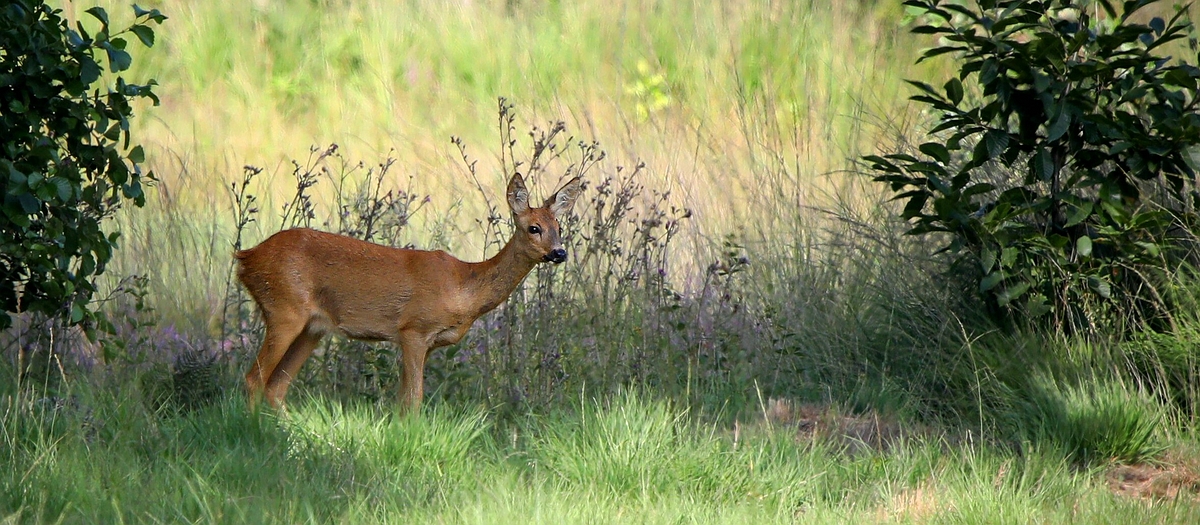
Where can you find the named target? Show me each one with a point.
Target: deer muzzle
(556, 256)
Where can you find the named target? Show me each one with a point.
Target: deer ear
(518, 196)
(564, 199)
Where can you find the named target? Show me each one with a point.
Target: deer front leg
(413, 349)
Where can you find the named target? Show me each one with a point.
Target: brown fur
(307, 283)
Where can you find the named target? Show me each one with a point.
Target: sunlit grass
(109, 460)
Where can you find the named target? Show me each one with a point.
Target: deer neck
(496, 278)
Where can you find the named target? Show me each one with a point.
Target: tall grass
(255, 80)
(761, 105)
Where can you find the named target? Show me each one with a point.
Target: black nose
(556, 256)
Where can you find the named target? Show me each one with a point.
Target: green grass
(103, 458)
(1104, 421)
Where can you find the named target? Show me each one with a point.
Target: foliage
(1060, 163)
(66, 162)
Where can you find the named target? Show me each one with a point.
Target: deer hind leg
(414, 349)
(299, 351)
(282, 331)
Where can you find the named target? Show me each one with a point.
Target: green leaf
(937, 51)
(74, 39)
(45, 192)
(133, 191)
(1158, 25)
(1083, 246)
(989, 71)
(997, 142)
(16, 179)
(923, 87)
(1008, 256)
(63, 186)
(1114, 213)
(937, 151)
(77, 313)
(881, 164)
(954, 90)
(118, 59)
(99, 14)
(113, 132)
(145, 34)
(1036, 305)
(1042, 165)
(1060, 125)
(89, 70)
(1100, 286)
(1012, 293)
(1041, 81)
(987, 259)
(29, 203)
(915, 205)
(20, 219)
(976, 189)
(137, 155)
(157, 16)
(929, 30)
(1150, 248)
(1078, 214)
(991, 280)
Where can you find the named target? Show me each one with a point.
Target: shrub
(66, 162)
(1060, 162)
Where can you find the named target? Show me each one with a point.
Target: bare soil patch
(1175, 478)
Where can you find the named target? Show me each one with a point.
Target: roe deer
(307, 283)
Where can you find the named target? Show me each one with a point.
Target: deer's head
(538, 228)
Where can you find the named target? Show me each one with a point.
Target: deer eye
(535, 229)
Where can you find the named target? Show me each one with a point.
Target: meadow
(742, 332)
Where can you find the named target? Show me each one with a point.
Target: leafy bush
(1060, 164)
(66, 162)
